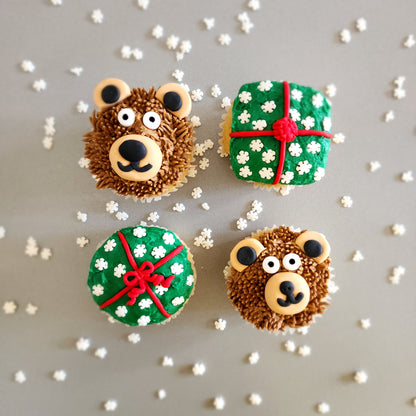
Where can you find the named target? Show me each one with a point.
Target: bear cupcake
(142, 275)
(277, 134)
(141, 144)
(279, 279)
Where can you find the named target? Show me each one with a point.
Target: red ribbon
(284, 130)
(136, 280)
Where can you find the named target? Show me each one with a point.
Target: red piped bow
(137, 280)
(285, 130)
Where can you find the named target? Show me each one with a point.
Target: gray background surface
(41, 191)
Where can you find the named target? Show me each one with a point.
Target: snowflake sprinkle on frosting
(158, 252)
(241, 224)
(140, 250)
(190, 280)
(308, 122)
(109, 245)
(265, 86)
(268, 106)
(176, 269)
(268, 156)
(168, 239)
(319, 174)
(244, 97)
(303, 167)
(313, 147)
(326, 123)
(296, 94)
(244, 117)
(295, 149)
(259, 124)
(97, 290)
(178, 301)
(139, 232)
(119, 270)
(294, 114)
(145, 303)
(243, 157)
(266, 173)
(245, 172)
(287, 177)
(317, 100)
(256, 145)
(143, 320)
(160, 290)
(101, 264)
(121, 311)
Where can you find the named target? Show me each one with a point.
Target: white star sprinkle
(224, 39)
(219, 403)
(198, 369)
(97, 16)
(209, 22)
(157, 32)
(83, 344)
(9, 307)
(254, 358)
(360, 377)
(100, 352)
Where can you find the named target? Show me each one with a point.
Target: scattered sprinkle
(153, 216)
(157, 32)
(198, 369)
(83, 344)
(82, 241)
(220, 324)
(365, 323)
(77, 70)
(178, 207)
(185, 46)
(374, 166)
(304, 350)
(134, 337)
(360, 377)
(254, 4)
(396, 274)
(389, 116)
(39, 85)
(323, 408)
(111, 207)
(46, 253)
(27, 66)
(254, 358)
(407, 176)
(215, 91)
(197, 95)
(196, 193)
(338, 138)
(167, 361)
(110, 405)
(219, 403)
(122, 215)
(361, 24)
(255, 399)
(330, 90)
(9, 307)
(47, 142)
(204, 163)
(241, 224)
(224, 39)
(196, 121)
(172, 42)
(31, 309)
(398, 229)
(56, 2)
(143, 4)
(289, 346)
(204, 240)
(357, 256)
(409, 41)
(226, 103)
(82, 216)
(2, 232)
(100, 352)
(82, 107)
(345, 36)
(178, 75)
(59, 375)
(346, 201)
(161, 394)
(32, 247)
(209, 22)
(97, 16)
(205, 206)
(84, 163)
(20, 377)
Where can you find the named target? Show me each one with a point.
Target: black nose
(287, 288)
(132, 150)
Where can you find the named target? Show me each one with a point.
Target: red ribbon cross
(284, 130)
(136, 280)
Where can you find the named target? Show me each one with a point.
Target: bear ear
(314, 245)
(245, 253)
(175, 98)
(109, 92)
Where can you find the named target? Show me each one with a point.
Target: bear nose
(287, 288)
(132, 150)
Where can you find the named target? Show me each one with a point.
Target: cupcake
(141, 144)
(277, 134)
(142, 275)
(279, 279)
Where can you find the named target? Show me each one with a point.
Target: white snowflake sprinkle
(168, 238)
(265, 85)
(268, 106)
(259, 124)
(266, 173)
(161, 394)
(294, 114)
(409, 42)
(330, 90)
(39, 85)
(31, 309)
(121, 311)
(245, 97)
(365, 323)
(407, 176)
(357, 256)
(317, 100)
(196, 193)
(84, 163)
(119, 270)
(345, 36)
(215, 91)
(145, 303)
(220, 324)
(219, 403)
(197, 95)
(254, 358)
(157, 32)
(224, 39)
(241, 224)
(176, 269)
(82, 216)
(178, 207)
(295, 149)
(204, 163)
(198, 369)
(122, 216)
(361, 24)
(247, 26)
(158, 252)
(313, 147)
(205, 206)
(196, 121)
(209, 22)
(160, 290)
(98, 290)
(303, 167)
(110, 245)
(257, 206)
(254, 4)
(323, 408)
(167, 361)
(245, 172)
(59, 375)
(20, 377)
(360, 377)
(140, 250)
(389, 116)
(134, 337)
(338, 138)
(100, 353)
(296, 94)
(244, 117)
(83, 344)
(47, 142)
(398, 229)
(137, 54)
(178, 301)
(185, 46)
(308, 122)
(374, 166)
(27, 66)
(226, 103)
(290, 346)
(252, 216)
(172, 42)
(110, 405)
(153, 216)
(399, 93)
(2, 232)
(9, 307)
(101, 264)
(327, 123)
(82, 107)
(46, 253)
(190, 280)
(82, 241)
(111, 207)
(242, 157)
(304, 350)
(346, 201)
(178, 75)
(97, 16)
(143, 4)
(76, 70)
(255, 399)
(139, 232)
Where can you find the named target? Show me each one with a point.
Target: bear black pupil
(270, 264)
(152, 119)
(125, 117)
(292, 261)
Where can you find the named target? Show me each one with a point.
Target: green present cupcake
(142, 275)
(278, 134)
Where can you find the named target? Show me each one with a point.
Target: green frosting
(257, 106)
(110, 263)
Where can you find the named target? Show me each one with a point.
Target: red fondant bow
(285, 130)
(136, 280)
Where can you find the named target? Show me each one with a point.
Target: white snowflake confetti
(303, 167)
(396, 275)
(153, 216)
(268, 106)
(119, 270)
(143, 4)
(308, 122)
(254, 358)
(178, 207)
(145, 303)
(346, 201)
(345, 36)
(259, 124)
(209, 22)
(295, 149)
(168, 238)
(289, 346)
(158, 252)
(121, 311)
(254, 4)
(243, 157)
(266, 173)
(133, 338)
(196, 193)
(338, 138)
(360, 377)
(252, 216)
(27, 66)
(2, 232)
(167, 361)
(224, 39)
(122, 216)
(20, 377)
(255, 399)
(172, 42)
(365, 323)
(317, 100)
(330, 90)
(110, 405)
(97, 16)
(82, 107)
(244, 117)
(176, 269)
(76, 70)
(157, 32)
(399, 93)
(361, 24)
(196, 121)
(409, 42)
(39, 85)
(245, 172)
(198, 369)
(111, 207)
(190, 280)
(220, 324)
(241, 224)
(139, 232)
(204, 163)
(100, 353)
(197, 95)
(294, 114)
(160, 290)
(185, 46)
(110, 245)
(84, 163)
(31, 309)
(47, 142)
(245, 97)
(140, 250)
(265, 85)
(296, 94)
(178, 75)
(215, 91)
(178, 301)
(374, 166)
(398, 229)
(59, 375)
(304, 350)
(82, 216)
(101, 264)
(327, 123)
(226, 103)
(205, 206)
(83, 344)
(46, 253)
(98, 290)
(82, 241)
(389, 116)
(323, 408)
(31, 248)
(9, 307)
(407, 176)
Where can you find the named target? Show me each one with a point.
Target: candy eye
(151, 120)
(126, 117)
(271, 264)
(291, 261)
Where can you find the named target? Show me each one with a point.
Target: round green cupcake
(142, 275)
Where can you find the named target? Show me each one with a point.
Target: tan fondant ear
(175, 98)
(245, 253)
(314, 245)
(109, 92)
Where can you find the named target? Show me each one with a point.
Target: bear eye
(126, 117)
(291, 261)
(271, 264)
(151, 120)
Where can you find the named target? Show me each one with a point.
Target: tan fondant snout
(287, 293)
(135, 157)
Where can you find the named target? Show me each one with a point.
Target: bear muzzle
(135, 157)
(287, 293)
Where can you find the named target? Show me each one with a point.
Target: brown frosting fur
(174, 137)
(246, 288)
